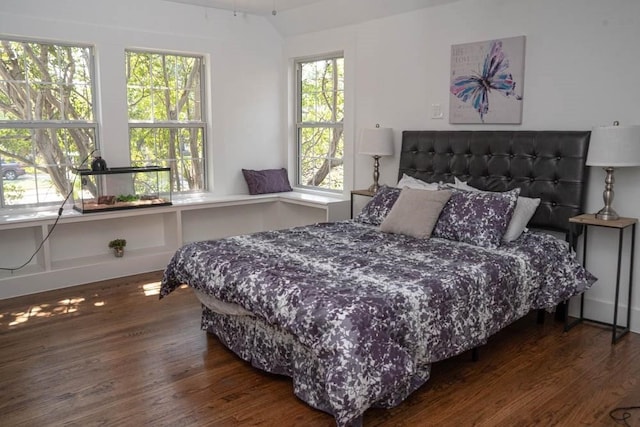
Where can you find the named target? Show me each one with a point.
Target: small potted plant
(118, 246)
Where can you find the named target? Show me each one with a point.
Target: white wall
(245, 72)
(581, 61)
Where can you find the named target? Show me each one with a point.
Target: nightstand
(620, 224)
(365, 193)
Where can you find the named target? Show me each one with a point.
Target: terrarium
(122, 188)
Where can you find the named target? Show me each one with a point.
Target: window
(47, 119)
(320, 115)
(166, 112)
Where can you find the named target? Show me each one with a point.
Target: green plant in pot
(118, 246)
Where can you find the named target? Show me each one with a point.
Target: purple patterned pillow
(379, 206)
(478, 218)
(267, 181)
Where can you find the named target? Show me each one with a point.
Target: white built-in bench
(77, 252)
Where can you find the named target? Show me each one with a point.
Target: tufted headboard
(545, 164)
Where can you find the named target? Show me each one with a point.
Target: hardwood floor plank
(111, 353)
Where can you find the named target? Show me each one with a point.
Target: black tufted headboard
(545, 164)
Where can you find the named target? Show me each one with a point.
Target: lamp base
(376, 174)
(607, 214)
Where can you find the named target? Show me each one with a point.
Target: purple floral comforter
(376, 309)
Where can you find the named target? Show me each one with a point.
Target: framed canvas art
(486, 81)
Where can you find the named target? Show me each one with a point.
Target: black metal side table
(366, 193)
(621, 224)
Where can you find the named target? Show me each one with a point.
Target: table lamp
(613, 147)
(377, 142)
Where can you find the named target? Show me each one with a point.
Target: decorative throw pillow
(415, 213)
(478, 218)
(411, 182)
(267, 181)
(525, 208)
(379, 206)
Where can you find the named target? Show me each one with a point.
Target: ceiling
(256, 7)
(292, 16)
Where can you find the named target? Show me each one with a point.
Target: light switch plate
(436, 111)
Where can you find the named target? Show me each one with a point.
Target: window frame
(300, 125)
(202, 124)
(30, 125)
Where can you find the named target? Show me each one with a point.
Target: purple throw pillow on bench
(267, 180)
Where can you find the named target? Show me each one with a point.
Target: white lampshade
(614, 146)
(376, 142)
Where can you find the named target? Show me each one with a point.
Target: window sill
(10, 217)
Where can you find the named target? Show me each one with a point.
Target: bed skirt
(271, 349)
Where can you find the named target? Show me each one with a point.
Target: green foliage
(46, 83)
(320, 137)
(127, 198)
(12, 193)
(52, 84)
(165, 90)
(117, 243)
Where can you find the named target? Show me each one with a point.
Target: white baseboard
(50, 280)
(603, 311)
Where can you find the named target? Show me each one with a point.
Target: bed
(356, 316)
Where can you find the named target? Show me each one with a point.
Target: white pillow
(416, 184)
(525, 208)
(461, 185)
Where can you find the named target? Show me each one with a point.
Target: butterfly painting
(486, 81)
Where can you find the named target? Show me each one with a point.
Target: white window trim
(297, 124)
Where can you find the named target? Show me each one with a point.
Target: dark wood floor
(111, 353)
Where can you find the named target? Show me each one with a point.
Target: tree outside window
(47, 119)
(166, 127)
(320, 116)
